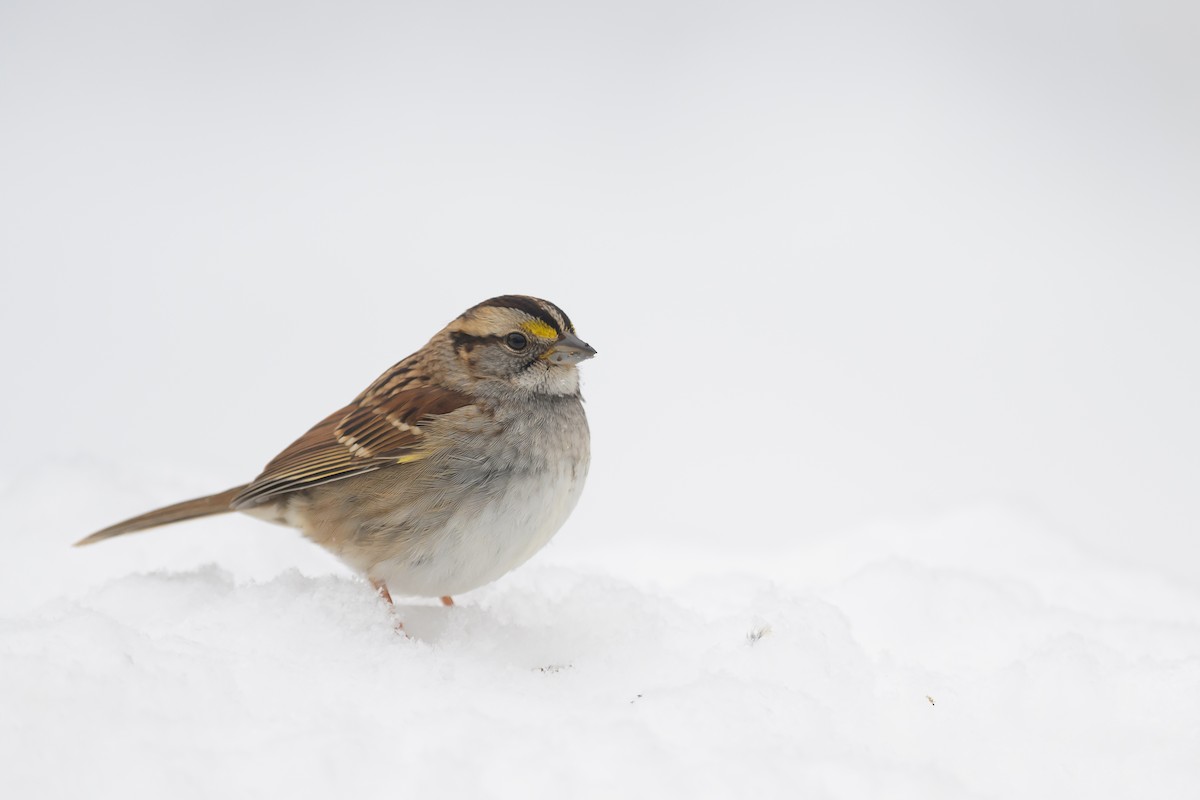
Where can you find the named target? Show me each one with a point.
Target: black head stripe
(542, 310)
(468, 342)
(570, 326)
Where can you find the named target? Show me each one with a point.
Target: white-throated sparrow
(452, 468)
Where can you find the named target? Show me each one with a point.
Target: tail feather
(188, 509)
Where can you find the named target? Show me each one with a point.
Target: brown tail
(188, 509)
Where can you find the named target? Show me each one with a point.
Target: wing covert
(371, 433)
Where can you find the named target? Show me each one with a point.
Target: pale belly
(478, 546)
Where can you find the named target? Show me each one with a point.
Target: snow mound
(975, 656)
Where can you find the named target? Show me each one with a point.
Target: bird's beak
(569, 349)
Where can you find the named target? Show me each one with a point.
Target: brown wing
(374, 431)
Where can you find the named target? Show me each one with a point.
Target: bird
(450, 470)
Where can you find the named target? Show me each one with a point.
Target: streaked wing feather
(371, 433)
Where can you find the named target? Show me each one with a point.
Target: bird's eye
(516, 341)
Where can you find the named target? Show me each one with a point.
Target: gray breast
(481, 508)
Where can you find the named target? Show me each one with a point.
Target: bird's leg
(382, 590)
(447, 600)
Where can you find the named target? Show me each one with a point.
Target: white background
(848, 267)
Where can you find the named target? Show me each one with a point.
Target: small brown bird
(452, 468)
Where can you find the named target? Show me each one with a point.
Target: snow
(894, 473)
(972, 655)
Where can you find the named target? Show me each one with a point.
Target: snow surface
(974, 655)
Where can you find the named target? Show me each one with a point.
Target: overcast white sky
(841, 262)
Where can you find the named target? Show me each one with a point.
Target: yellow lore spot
(540, 329)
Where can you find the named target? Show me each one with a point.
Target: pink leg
(381, 588)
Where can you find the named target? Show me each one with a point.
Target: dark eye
(516, 341)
